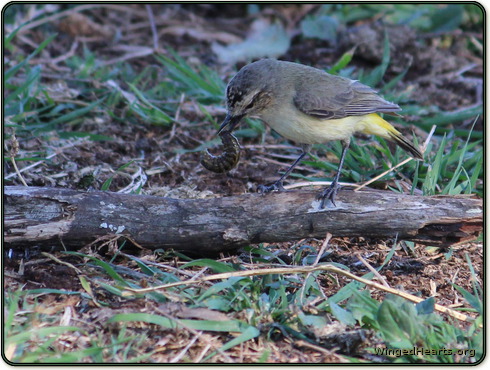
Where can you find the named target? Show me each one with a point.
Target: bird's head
(247, 94)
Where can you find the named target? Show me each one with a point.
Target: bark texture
(49, 216)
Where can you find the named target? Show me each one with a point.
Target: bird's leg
(278, 185)
(330, 192)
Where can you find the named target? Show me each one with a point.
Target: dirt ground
(165, 153)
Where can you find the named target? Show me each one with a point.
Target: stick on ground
(44, 216)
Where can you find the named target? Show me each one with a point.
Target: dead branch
(49, 216)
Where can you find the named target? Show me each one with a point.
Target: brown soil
(436, 62)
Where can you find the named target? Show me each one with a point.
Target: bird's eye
(252, 102)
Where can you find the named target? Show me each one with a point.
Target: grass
(268, 305)
(261, 310)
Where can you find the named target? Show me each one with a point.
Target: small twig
(282, 164)
(426, 143)
(373, 270)
(203, 352)
(423, 148)
(322, 249)
(153, 26)
(314, 183)
(197, 333)
(303, 343)
(383, 174)
(186, 348)
(58, 16)
(262, 147)
(50, 256)
(17, 172)
(179, 107)
(13, 152)
(77, 9)
(317, 259)
(296, 270)
(138, 179)
(138, 52)
(37, 261)
(58, 151)
(61, 58)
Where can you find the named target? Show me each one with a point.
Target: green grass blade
(473, 300)
(218, 267)
(148, 110)
(104, 265)
(377, 73)
(446, 118)
(450, 187)
(13, 70)
(342, 62)
(432, 177)
(76, 113)
(22, 90)
(39, 332)
(206, 325)
(12, 34)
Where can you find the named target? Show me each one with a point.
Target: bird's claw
(277, 186)
(328, 194)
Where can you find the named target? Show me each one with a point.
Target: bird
(309, 106)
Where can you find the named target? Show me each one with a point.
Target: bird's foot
(277, 186)
(328, 194)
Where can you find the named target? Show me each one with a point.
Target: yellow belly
(301, 128)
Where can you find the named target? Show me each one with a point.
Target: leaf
(447, 118)
(107, 183)
(389, 326)
(426, 306)
(217, 303)
(341, 314)
(317, 322)
(364, 308)
(473, 300)
(348, 290)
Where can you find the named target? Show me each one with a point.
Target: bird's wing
(329, 97)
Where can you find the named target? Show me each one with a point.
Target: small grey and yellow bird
(309, 106)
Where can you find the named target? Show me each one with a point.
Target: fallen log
(56, 216)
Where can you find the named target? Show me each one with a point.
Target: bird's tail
(378, 126)
(406, 145)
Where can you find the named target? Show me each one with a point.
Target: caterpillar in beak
(225, 161)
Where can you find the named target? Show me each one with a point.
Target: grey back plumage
(313, 91)
(331, 97)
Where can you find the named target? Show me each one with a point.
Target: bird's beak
(230, 122)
